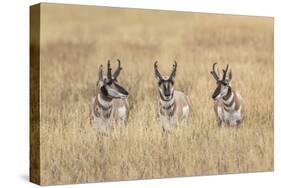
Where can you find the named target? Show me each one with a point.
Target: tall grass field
(75, 40)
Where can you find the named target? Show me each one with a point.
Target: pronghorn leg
(121, 122)
(122, 116)
(95, 122)
(185, 115)
(218, 112)
(218, 121)
(238, 122)
(98, 125)
(165, 123)
(185, 122)
(171, 123)
(107, 124)
(162, 122)
(91, 120)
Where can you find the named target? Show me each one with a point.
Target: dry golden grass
(77, 39)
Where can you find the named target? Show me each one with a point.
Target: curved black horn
(213, 72)
(118, 69)
(225, 72)
(109, 70)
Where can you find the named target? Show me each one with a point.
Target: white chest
(230, 117)
(122, 112)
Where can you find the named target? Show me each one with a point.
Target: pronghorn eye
(109, 82)
(224, 83)
(104, 91)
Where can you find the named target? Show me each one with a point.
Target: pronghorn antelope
(110, 104)
(173, 105)
(228, 103)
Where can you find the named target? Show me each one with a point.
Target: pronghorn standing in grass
(174, 105)
(228, 103)
(110, 104)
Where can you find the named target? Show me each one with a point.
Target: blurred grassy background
(75, 40)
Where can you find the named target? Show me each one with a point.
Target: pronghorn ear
(157, 74)
(100, 81)
(173, 73)
(100, 84)
(173, 77)
(229, 76)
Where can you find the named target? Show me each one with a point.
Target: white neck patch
(228, 101)
(167, 103)
(104, 103)
(232, 107)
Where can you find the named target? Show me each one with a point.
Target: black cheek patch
(217, 91)
(224, 83)
(104, 91)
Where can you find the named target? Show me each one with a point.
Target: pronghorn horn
(117, 71)
(225, 72)
(215, 75)
(157, 73)
(173, 73)
(109, 70)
